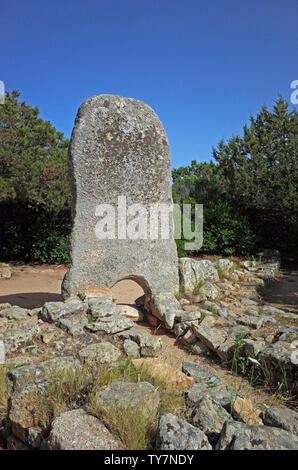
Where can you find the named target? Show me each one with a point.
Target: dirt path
(32, 286)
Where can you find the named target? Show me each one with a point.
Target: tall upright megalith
(119, 156)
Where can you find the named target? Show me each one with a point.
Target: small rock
(53, 311)
(253, 347)
(252, 322)
(100, 353)
(31, 373)
(149, 346)
(131, 348)
(123, 395)
(240, 436)
(16, 339)
(193, 272)
(6, 272)
(244, 410)
(74, 326)
(103, 307)
(282, 418)
(111, 325)
(223, 313)
(211, 337)
(14, 313)
(47, 337)
(189, 338)
(131, 312)
(176, 434)
(23, 413)
(226, 349)
(77, 430)
(209, 290)
(247, 301)
(200, 374)
(188, 316)
(4, 306)
(209, 417)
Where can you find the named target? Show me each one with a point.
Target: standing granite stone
(119, 148)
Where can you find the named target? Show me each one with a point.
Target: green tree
(250, 192)
(261, 171)
(34, 188)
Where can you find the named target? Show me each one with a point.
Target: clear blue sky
(202, 65)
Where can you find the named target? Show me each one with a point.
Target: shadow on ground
(283, 292)
(30, 299)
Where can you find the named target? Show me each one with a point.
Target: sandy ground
(31, 286)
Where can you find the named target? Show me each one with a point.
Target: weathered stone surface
(53, 311)
(176, 434)
(200, 374)
(226, 350)
(287, 334)
(240, 331)
(129, 311)
(240, 436)
(76, 430)
(211, 337)
(188, 338)
(209, 290)
(119, 148)
(150, 346)
(209, 417)
(31, 373)
(283, 418)
(247, 301)
(100, 353)
(220, 394)
(110, 325)
(4, 306)
(198, 349)
(244, 410)
(131, 348)
(96, 293)
(103, 307)
(23, 410)
(181, 328)
(272, 310)
(276, 365)
(73, 326)
(224, 264)
(163, 371)
(13, 340)
(14, 313)
(6, 272)
(123, 395)
(252, 347)
(192, 273)
(189, 316)
(164, 306)
(252, 322)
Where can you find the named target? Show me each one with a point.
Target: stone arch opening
(128, 290)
